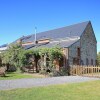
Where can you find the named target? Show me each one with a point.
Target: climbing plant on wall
(19, 57)
(54, 53)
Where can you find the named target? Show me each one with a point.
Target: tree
(0, 62)
(11, 55)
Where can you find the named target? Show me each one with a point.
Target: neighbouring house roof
(3, 47)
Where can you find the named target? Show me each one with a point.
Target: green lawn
(74, 91)
(17, 75)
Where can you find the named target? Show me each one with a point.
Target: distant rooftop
(4, 45)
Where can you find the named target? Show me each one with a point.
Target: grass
(18, 75)
(74, 91)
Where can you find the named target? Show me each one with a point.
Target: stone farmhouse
(78, 43)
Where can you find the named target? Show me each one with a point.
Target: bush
(50, 74)
(2, 71)
(23, 69)
(12, 69)
(43, 72)
(63, 71)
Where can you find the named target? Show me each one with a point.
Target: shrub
(2, 71)
(12, 69)
(63, 71)
(43, 72)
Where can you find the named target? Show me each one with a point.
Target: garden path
(35, 82)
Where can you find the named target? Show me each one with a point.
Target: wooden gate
(93, 71)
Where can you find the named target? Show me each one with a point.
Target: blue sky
(19, 17)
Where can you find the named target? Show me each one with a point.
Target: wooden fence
(93, 71)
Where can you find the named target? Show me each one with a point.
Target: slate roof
(68, 31)
(71, 31)
(60, 33)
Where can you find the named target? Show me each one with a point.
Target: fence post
(88, 70)
(99, 70)
(92, 70)
(76, 70)
(95, 70)
(82, 70)
(70, 70)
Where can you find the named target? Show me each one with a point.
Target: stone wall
(73, 51)
(88, 46)
(65, 57)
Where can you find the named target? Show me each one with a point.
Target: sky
(20, 17)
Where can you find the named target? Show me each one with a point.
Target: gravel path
(27, 83)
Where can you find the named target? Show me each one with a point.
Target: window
(87, 61)
(76, 61)
(78, 52)
(96, 62)
(82, 62)
(91, 61)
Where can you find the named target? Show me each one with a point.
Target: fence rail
(85, 70)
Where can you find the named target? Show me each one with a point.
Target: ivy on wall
(19, 57)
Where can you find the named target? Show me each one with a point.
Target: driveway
(35, 82)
